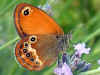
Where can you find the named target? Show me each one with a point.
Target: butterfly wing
(27, 56)
(35, 52)
(31, 20)
(36, 55)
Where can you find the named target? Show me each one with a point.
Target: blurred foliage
(82, 17)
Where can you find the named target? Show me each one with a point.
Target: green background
(82, 17)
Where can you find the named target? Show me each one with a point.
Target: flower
(63, 70)
(81, 49)
(98, 61)
(46, 7)
(72, 63)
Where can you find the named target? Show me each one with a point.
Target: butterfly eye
(33, 39)
(26, 11)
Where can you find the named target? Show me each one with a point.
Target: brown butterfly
(41, 37)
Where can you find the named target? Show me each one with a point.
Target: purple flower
(99, 61)
(63, 70)
(71, 63)
(81, 49)
(46, 7)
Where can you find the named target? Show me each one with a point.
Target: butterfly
(42, 39)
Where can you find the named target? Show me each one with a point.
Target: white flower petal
(83, 45)
(80, 48)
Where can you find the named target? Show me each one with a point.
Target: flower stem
(92, 72)
(97, 32)
(8, 43)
